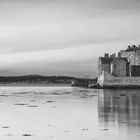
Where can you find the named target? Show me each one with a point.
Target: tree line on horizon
(39, 79)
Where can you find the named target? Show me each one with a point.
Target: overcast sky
(64, 37)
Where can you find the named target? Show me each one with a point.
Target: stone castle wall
(119, 68)
(133, 56)
(107, 80)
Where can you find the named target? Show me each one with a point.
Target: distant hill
(38, 79)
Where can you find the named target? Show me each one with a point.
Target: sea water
(69, 113)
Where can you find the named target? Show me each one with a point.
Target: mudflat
(69, 113)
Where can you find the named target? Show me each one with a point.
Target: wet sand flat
(68, 113)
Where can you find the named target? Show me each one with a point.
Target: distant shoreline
(38, 80)
(34, 85)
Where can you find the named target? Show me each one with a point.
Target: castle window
(115, 66)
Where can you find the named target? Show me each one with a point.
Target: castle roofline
(132, 48)
(106, 60)
(110, 60)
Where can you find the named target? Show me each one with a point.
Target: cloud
(51, 56)
(92, 31)
(54, 33)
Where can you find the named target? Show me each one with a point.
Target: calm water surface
(67, 113)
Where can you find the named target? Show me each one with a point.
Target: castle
(119, 71)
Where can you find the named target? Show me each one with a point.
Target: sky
(64, 37)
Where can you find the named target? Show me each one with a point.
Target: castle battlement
(132, 48)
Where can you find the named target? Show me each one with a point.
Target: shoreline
(34, 85)
(115, 87)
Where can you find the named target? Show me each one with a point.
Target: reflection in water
(119, 108)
